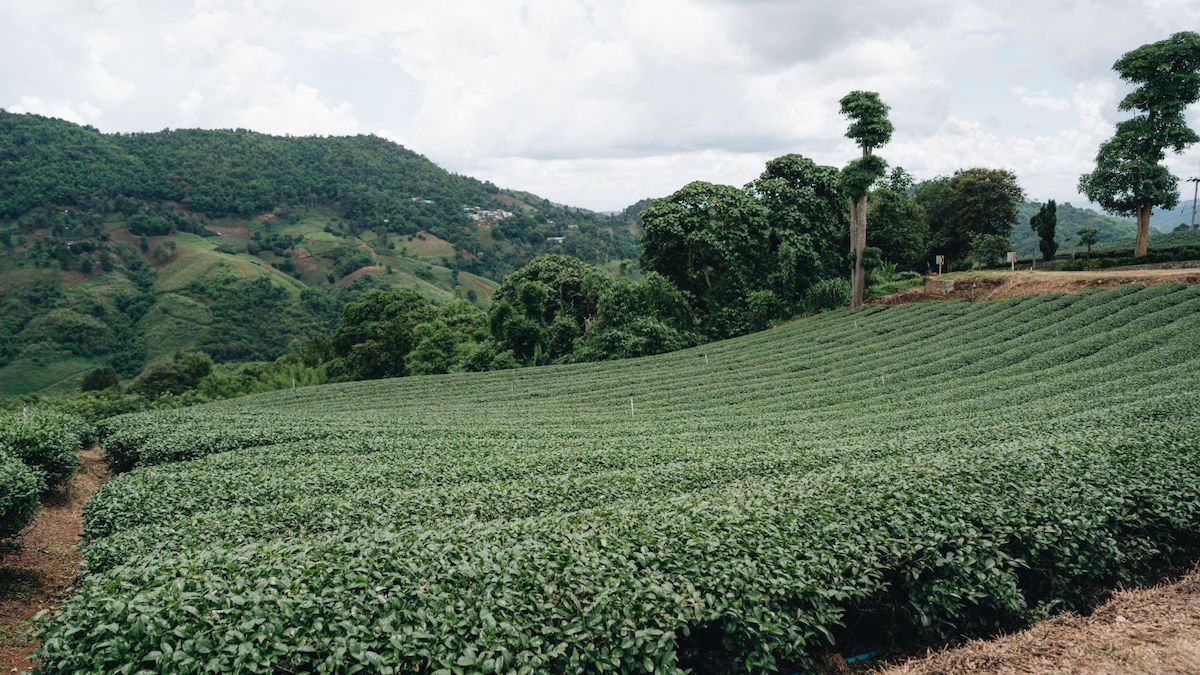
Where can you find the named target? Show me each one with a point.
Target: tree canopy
(1129, 178)
(1044, 223)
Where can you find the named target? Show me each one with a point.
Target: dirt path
(39, 571)
(992, 285)
(1152, 630)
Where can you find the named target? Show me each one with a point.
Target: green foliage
(1070, 219)
(541, 309)
(933, 471)
(1129, 177)
(1044, 223)
(899, 226)
(807, 220)
(827, 294)
(972, 202)
(650, 316)
(986, 249)
(19, 489)
(376, 333)
(100, 378)
(172, 377)
(1088, 239)
(436, 349)
(47, 442)
(706, 239)
(869, 124)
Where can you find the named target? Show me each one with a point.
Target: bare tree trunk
(1143, 231)
(858, 226)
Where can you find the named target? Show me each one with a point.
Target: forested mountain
(1070, 220)
(119, 249)
(1166, 220)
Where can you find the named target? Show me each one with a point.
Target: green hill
(237, 242)
(894, 475)
(1070, 220)
(1168, 220)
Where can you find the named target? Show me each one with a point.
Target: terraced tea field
(911, 474)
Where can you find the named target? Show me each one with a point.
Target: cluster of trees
(743, 257)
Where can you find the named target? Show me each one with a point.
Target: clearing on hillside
(896, 475)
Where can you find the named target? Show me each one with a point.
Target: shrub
(48, 442)
(827, 294)
(19, 488)
(100, 378)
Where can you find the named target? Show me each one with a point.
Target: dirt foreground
(39, 571)
(991, 285)
(1150, 630)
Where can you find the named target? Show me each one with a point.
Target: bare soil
(40, 567)
(998, 284)
(1150, 630)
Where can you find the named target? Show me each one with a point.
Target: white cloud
(298, 110)
(601, 102)
(1041, 99)
(83, 113)
(189, 104)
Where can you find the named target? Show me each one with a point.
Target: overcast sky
(599, 103)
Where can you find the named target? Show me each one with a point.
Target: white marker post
(631, 406)
(1012, 261)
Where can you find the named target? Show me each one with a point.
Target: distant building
(556, 240)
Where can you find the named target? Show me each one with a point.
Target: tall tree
(1044, 223)
(806, 222)
(899, 228)
(1128, 178)
(870, 129)
(709, 240)
(972, 202)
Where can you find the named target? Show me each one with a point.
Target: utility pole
(1195, 190)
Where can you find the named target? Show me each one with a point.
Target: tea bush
(914, 474)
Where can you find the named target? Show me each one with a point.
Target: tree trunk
(1143, 231)
(858, 227)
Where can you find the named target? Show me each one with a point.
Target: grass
(56, 374)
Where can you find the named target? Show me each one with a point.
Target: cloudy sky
(599, 103)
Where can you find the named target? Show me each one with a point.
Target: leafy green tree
(987, 248)
(182, 373)
(100, 378)
(899, 228)
(806, 220)
(1087, 237)
(639, 318)
(709, 241)
(1044, 223)
(376, 333)
(539, 310)
(971, 202)
(870, 129)
(1129, 178)
(436, 349)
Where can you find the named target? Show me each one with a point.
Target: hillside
(119, 249)
(1167, 220)
(1070, 220)
(849, 482)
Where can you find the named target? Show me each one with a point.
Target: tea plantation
(895, 475)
